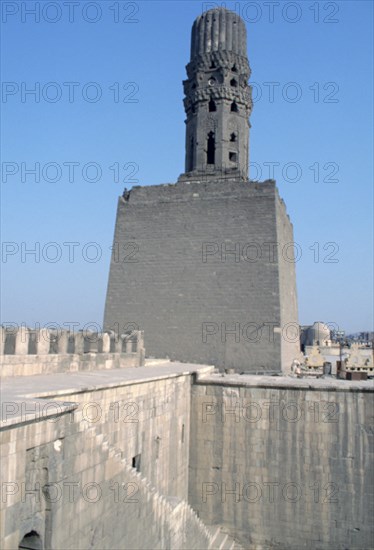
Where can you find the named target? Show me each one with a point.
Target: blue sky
(317, 129)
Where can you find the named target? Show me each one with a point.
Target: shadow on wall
(31, 541)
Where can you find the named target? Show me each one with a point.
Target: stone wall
(28, 365)
(110, 460)
(284, 467)
(149, 419)
(72, 477)
(25, 352)
(287, 256)
(193, 267)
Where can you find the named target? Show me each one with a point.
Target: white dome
(319, 333)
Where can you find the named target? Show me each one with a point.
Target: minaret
(193, 284)
(218, 99)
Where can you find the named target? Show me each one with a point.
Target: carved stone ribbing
(218, 29)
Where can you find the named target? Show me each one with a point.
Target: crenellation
(45, 352)
(43, 342)
(78, 343)
(62, 341)
(21, 341)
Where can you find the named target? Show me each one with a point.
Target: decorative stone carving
(315, 358)
(218, 71)
(358, 360)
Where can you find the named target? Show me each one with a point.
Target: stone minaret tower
(218, 99)
(199, 265)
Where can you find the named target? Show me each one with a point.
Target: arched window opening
(31, 541)
(211, 149)
(213, 65)
(136, 462)
(234, 69)
(234, 83)
(190, 158)
(234, 107)
(233, 157)
(233, 137)
(212, 106)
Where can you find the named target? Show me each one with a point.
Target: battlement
(26, 352)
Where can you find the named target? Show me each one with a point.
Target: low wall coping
(32, 391)
(285, 382)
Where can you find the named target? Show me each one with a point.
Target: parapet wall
(284, 463)
(26, 352)
(72, 477)
(278, 462)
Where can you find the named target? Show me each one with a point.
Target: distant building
(317, 334)
(335, 347)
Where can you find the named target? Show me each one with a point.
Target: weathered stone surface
(43, 342)
(79, 467)
(218, 100)
(48, 363)
(63, 342)
(75, 468)
(21, 341)
(283, 465)
(174, 292)
(79, 342)
(105, 342)
(91, 343)
(205, 267)
(2, 340)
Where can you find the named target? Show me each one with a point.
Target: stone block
(22, 341)
(43, 341)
